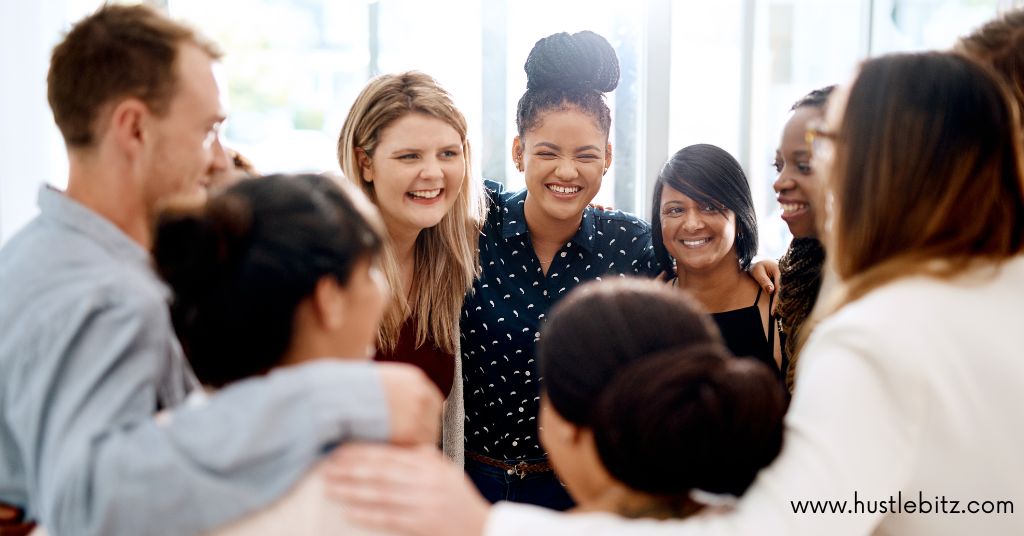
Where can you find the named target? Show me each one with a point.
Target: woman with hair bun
(644, 408)
(272, 273)
(537, 245)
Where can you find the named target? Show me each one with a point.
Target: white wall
(31, 151)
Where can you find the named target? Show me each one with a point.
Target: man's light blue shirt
(88, 354)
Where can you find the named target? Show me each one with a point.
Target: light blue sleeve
(101, 465)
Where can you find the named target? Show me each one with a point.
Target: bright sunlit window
(723, 72)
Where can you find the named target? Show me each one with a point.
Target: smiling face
(417, 169)
(186, 152)
(698, 236)
(798, 183)
(564, 158)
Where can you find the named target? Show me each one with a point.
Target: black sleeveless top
(744, 335)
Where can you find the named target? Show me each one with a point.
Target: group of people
(179, 358)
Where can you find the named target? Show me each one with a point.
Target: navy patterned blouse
(501, 319)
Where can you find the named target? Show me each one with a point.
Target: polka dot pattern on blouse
(501, 318)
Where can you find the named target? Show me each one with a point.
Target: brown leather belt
(521, 469)
(12, 521)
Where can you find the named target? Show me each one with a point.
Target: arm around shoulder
(102, 452)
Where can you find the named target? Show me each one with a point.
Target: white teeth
(793, 207)
(696, 243)
(426, 194)
(564, 189)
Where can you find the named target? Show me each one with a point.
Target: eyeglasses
(821, 142)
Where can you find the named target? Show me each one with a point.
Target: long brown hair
(927, 174)
(446, 259)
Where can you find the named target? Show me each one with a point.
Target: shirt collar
(58, 207)
(513, 222)
(513, 215)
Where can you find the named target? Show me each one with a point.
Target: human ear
(517, 153)
(578, 435)
(329, 303)
(608, 158)
(127, 124)
(365, 164)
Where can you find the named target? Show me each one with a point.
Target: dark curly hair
(817, 98)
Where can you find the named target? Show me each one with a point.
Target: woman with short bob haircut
(910, 391)
(705, 235)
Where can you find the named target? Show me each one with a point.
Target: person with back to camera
(267, 275)
(799, 194)
(87, 349)
(537, 245)
(705, 235)
(406, 145)
(644, 411)
(908, 392)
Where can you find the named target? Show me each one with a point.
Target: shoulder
(617, 222)
(82, 289)
(501, 202)
(497, 194)
(923, 323)
(493, 187)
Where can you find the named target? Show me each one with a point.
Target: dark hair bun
(583, 60)
(690, 418)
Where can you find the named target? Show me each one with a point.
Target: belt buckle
(520, 469)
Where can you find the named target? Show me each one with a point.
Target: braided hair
(800, 269)
(568, 70)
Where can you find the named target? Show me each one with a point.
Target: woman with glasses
(799, 195)
(705, 235)
(908, 400)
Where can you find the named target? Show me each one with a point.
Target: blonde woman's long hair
(445, 256)
(927, 176)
